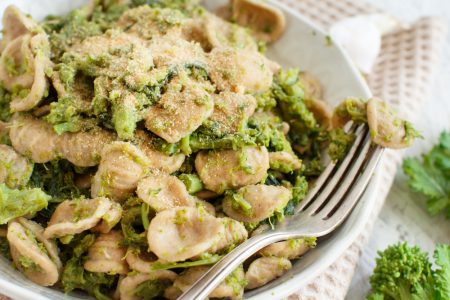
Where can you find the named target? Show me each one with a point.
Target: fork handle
(214, 276)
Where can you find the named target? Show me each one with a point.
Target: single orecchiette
(129, 284)
(172, 51)
(163, 192)
(234, 234)
(321, 111)
(145, 22)
(284, 161)
(33, 138)
(158, 160)
(231, 112)
(110, 219)
(312, 88)
(267, 22)
(239, 70)
(15, 68)
(386, 128)
(183, 232)
(140, 260)
(290, 249)
(16, 24)
(181, 109)
(212, 32)
(254, 203)
(227, 169)
(231, 288)
(33, 254)
(75, 216)
(121, 167)
(106, 255)
(29, 97)
(83, 149)
(265, 269)
(15, 170)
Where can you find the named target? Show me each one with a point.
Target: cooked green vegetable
(74, 276)
(16, 203)
(340, 143)
(206, 259)
(57, 179)
(431, 176)
(151, 289)
(403, 272)
(192, 182)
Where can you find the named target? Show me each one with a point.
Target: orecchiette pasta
(83, 149)
(157, 159)
(121, 167)
(234, 234)
(226, 169)
(168, 232)
(231, 287)
(27, 136)
(129, 285)
(110, 219)
(15, 170)
(231, 112)
(163, 192)
(16, 24)
(386, 128)
(266, 21)
(140, 260)
(239, 70)
(30, 96)
(75, 216)
(284, 161)
(185, 137)
(290, 249)
(265, 269)
(181, 110)
(33, 254)
(260, 202)
(106, 255)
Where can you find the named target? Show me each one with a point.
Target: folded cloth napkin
(403, 76)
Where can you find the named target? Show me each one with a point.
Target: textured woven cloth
(403, 76)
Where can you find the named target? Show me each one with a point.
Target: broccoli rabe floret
(340, 143)
(133, 224)
(403, 272)
(16, 203)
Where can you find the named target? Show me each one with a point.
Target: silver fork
(326, 206)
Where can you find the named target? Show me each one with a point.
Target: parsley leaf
(431, 176)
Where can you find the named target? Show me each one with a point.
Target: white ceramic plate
(303, 45)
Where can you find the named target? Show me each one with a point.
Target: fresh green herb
(431, 176)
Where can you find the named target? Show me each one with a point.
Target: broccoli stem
(192, 182)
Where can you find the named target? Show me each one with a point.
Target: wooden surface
(404, 217)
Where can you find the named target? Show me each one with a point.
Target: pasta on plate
(141, 141)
